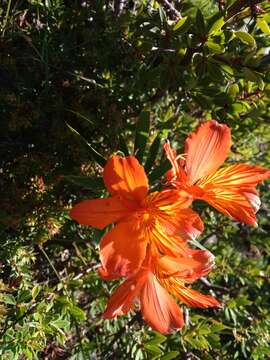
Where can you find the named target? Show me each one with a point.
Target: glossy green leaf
(180, 23)
(246, 38)
(216, 27)
(262, 24)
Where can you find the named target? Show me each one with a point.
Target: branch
(239, 5)
(170, 10)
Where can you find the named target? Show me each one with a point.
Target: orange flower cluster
(148, 244)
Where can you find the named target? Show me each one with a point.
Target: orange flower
(148, 288)
(161, 219)
(231, 190)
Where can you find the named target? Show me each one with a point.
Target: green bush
(80, 80)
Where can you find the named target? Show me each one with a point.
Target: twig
(170, 10)
(238, 6)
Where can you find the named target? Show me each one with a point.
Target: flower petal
(123, 248)
(194, 298)
(126, 177)
(206, 149)
(231, 190)
(159, 309)
(238, 175)
(188, 268)
(99, 212)
(123, 298)
(185, 223)
(234, 203)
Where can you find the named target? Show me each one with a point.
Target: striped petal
(159, 309)
(206, 149)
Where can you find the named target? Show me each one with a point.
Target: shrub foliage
(80, 80)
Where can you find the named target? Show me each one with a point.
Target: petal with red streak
(233, 203)
(99, 212)
(159, 309)
(123, 248)
(194, 298)
(185, 223)
(238, 175)
(206, 149)
(126, 177)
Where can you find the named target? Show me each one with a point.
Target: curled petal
(159, 309)
(206, 149)
(194, 298)
(234, 203)
(99, 212)
(188, 268)
(123, 248)
(126, 178)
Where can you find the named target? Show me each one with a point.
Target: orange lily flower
(161, 219)
(150, 286)
(231, 190)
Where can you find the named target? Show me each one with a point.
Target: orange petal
(99, 212)
(188, 268)
(123, 298)
(159, 309)
(194, 298)
(185, 223)
(231, 190)
(123, 248)
(168, 244)
(233, 203)
(126, 177)
(238, 175)
(206, 149)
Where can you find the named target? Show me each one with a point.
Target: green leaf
(153, 349)
(246, 38)
(262, 24)
(233, 91)
(162, 15)
(77, 312)
(94, 154)
(142, 132)
(180, 23)
(8, 299)
(158, 339)
(123, 146)
(152, 154)
(215, 47)
(160, 170)
(216, 27)
(87, 182)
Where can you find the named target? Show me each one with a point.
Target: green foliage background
(80, 80)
